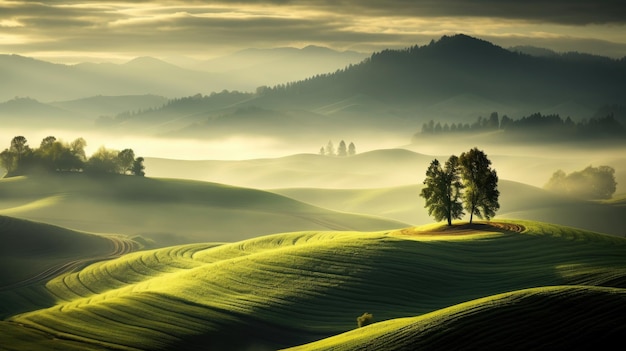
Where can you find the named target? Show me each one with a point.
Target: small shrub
(365, 319)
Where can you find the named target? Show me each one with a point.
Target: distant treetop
(57, 156)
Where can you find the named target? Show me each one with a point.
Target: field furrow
(315, 284)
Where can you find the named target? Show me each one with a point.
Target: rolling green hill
(378, 168)
(168, 211)
(530, 319)
(289, 289)
(32, 253)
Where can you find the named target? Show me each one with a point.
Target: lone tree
(342, 150)
(330, 149)
(351, 149)
(481, 184)
(443, 190)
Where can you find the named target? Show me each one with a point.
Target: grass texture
(31, 253)
(290, 289)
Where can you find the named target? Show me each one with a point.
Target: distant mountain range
(250, 68)
(243, 71)
(455, 79)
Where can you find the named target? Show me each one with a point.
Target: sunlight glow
(281, 25)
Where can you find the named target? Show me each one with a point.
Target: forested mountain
(456, 78)
(458, 65)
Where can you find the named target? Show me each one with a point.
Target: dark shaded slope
(557, 318)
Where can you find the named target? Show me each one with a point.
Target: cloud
(577, 12)
(211, 28)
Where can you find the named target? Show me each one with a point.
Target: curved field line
(121, 246)
(467, 229)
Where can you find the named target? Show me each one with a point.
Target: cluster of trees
(552, 124)
(465, 182)
(57, 156)
(342, 149)
(590, 183)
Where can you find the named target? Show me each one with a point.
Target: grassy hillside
(379, 168)
(517, 200)
(560, 318)
(31, 253)
(168, 211)
(289, 289)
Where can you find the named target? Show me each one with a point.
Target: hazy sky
(71, 31)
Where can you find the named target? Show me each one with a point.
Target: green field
(290, 289)
(31, 253)
(168, 211)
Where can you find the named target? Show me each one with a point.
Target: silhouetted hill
(457, 65)
(96, 106)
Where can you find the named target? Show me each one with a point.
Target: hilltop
(288, 289)
(517, 201)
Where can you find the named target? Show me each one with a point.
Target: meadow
(292, 252)
(284, 290)
(169, 211)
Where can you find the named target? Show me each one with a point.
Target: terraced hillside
(168, 211)
(289, 289)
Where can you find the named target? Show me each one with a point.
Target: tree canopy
(57, 156)
(341, 151)
(481, 184)
(468, 178)
(442, 190)
(590, 183)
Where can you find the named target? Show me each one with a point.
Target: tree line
(534, 124)
(54, 155)
(342, 149)
(465, 182)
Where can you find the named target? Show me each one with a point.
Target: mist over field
(281, 176)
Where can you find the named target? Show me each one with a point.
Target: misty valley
(453, 195)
